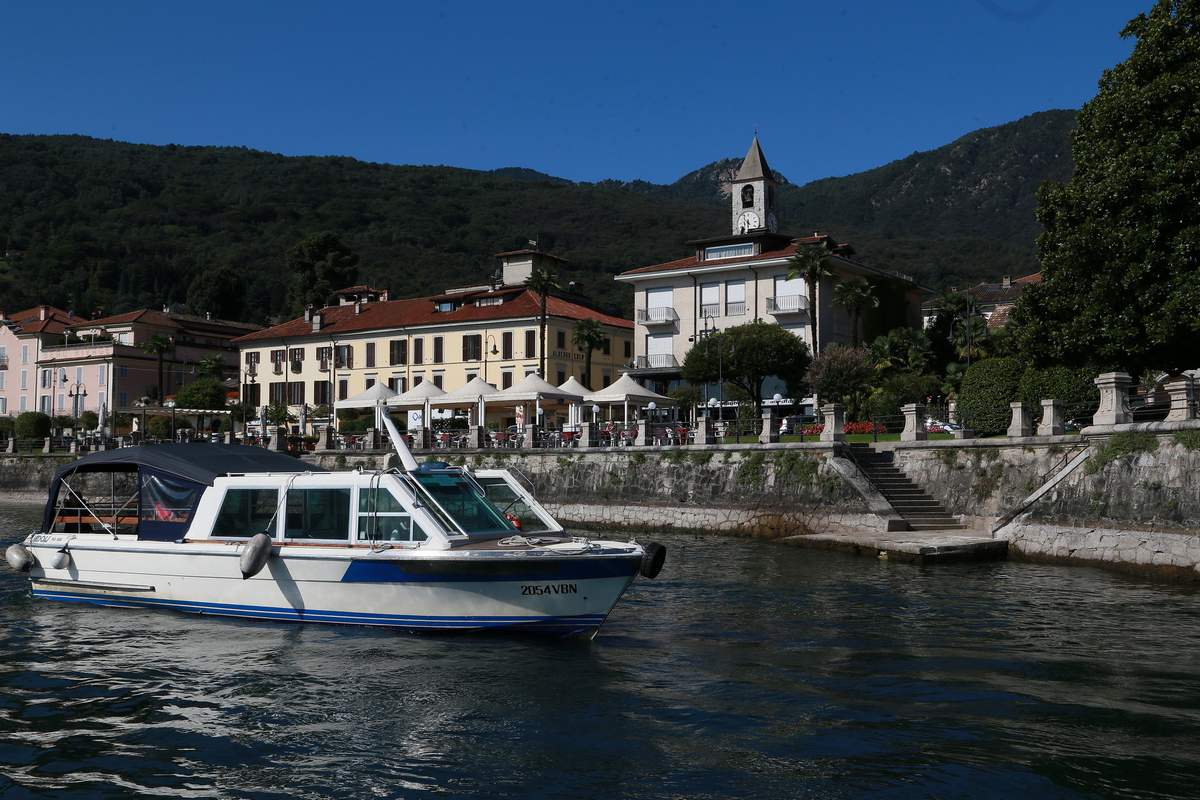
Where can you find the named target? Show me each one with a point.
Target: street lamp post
(494, 351)
(76, 392)
(248, 379)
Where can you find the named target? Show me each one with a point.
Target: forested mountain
(101, 225)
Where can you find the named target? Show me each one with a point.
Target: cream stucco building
(491, 332)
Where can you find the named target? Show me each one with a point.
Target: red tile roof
(165, 319)
(30, 320)
(693, 261)
(421, 311)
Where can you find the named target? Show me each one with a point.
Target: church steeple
(753, 195)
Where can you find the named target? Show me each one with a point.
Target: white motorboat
(241, 531)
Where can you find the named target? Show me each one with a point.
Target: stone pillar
(11, 447)
(279, 439)
(769, 433)
(531, 436)
(963, 433)
(914, 423)
(587, 437)
(835, 420)
(704, 432)
(1183, 399)
(227, 437)
(1052, 419)
(474, 437)
(326, 439)
(73, 448)
(1022, 421)
(374, 439)
(643, 433)
(422, 439)
(101, 445)
(46, 445)
(1114, 399)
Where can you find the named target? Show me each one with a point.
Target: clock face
(749, 221)
(772, 223)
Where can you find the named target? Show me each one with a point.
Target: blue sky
(586, 91)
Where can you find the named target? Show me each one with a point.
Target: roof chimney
(208, 315)
(1006, 281)
(43, 312)
(308, 313)
(357, 307)
(316, 321)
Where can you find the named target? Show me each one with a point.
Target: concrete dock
(916, 546)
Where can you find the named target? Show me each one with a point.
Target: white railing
(710, 310)
(788, 304)
(657, 361)
(658, 315)
(735, 309)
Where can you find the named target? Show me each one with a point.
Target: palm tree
(854, 296)
(587, 336)
(810, 263)
(157, 346)
(542, 281)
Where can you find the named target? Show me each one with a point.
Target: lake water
(748, 670)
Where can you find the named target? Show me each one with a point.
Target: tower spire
(754, 165)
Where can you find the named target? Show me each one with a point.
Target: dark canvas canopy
(171, 477)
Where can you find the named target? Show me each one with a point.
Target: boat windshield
(473, 512)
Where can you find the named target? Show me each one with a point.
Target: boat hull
(561, 596)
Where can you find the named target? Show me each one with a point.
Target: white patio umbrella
(373, 397)
(575, 387)
(625, 391)
(420, 396)
(533, 389)
(473, 394)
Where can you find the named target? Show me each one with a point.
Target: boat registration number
(53, 539)
(550, 588)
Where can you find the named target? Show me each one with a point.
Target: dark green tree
(219, 292)
(32, 425)
(855, 296)
(157, 346)
(317, 266)
(543, 282)
(811, 262)
(746, 355)
(588, 336)
(841, 374)
(1119, 255)
(201, 393)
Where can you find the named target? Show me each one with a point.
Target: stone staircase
(912, 503)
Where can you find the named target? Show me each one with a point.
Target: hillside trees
(1121, 249)
(318, 265)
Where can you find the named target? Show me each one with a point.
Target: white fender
(60, 560)
(19, 557)
(254, 555)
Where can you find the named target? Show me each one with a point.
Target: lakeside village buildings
(60, 364)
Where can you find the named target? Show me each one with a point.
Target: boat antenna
(401, 447)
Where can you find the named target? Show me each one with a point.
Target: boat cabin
(204, 492)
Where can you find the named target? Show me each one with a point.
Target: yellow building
(491, 332)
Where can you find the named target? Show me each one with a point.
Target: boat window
(245, 512)
(474, 513)
(318, 514)
(111, 504)
(507, 500)
(381, 517)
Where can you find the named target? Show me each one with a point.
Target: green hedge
(987, 389)
(1074, 387)
(32, 425)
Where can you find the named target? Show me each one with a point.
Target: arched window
(748, 196)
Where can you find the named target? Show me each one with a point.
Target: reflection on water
(747, 670)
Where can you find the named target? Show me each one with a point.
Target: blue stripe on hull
(579, 623)
(491, 570)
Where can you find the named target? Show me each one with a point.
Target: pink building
(23, 334)
(85, 365)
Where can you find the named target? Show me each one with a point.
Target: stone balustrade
(1022, 420)
(914, 423)
(1114, 399)
(835, 422)
(1051, 423)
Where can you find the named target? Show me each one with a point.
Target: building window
(101, 375)
(607, 379)
(438, 350)
(24, 379)
(321, 393)
(344, 357)
(505, 380)
(79, 374)
(728, 251)
(472, 376)
(252, 357)
(748, 196)
(24, 354)
(295, 393)
(123, 397)
(437, 380)
(24, 404)
(562, 340)
(398, 351)
(2, 374)
(489, 301)
(710, 300)
(418, 380)
(3, 405)
(606, 347)
(370, 355)
(530, 344)
(473, 347)
(530, 371)
(252, 394)
(562, 377)
(628, 349)
(343, 389)
(277, 393)
(370, 382)
(735, 298)
(444, 306)
(62, 402)
(123, 371)
(506, 347)
(418, 351)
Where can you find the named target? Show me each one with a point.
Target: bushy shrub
(900, 389)
(987, 389)
(201, 393)
(32, 425)
(6, 427)
(88, 420)
(1074, 387)
(842, 375)
(159, 427)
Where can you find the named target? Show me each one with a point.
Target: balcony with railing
(735, 309)
(710, 310)
(788, 304)
(297, 366)
(659, 315)
(657, 361)
(277, 367)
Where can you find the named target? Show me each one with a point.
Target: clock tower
(753, 194)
